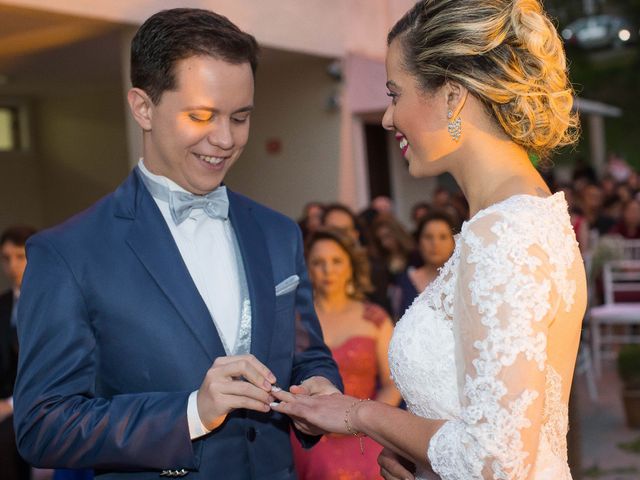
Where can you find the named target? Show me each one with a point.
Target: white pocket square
(287, 285)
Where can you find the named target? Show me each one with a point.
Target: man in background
(14, 261)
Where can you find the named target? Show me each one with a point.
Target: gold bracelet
(350, 430)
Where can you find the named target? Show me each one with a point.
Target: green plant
(633, 446)
(629, 366)
(609, 247)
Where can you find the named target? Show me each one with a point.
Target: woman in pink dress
(358, 334)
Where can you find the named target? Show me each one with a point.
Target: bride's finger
(284, 396)
(291, 409)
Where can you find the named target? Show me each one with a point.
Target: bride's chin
(429, 168)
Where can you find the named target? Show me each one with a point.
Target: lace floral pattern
(556, 415)
(472, 349)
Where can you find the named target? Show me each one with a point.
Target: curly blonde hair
(507, 53)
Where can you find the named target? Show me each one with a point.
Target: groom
(154, 326)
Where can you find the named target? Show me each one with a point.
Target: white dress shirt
(207, 247)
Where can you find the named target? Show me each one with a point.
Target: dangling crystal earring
(454, 126)
(351, 289)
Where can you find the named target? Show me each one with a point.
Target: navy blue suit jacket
(114, 336)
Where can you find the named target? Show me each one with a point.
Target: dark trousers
(12, 466)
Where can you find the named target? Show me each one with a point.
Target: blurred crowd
(404, 259)
(609, 205)
(401, 261)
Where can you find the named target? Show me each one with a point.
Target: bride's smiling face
(417, 118)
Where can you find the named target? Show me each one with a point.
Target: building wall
(79, 156)
(82, 134)
(20, 193)
(322, 27)
(291, 96)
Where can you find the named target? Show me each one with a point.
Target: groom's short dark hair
(172, 35)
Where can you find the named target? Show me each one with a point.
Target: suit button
(251, 434)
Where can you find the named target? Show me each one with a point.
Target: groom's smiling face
(199, 129)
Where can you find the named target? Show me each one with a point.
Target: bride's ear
(456, 96)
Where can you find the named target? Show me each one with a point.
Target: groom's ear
(141, 107)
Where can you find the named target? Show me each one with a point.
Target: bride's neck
(491, 171)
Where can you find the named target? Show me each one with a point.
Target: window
(15, 133)
(9, 129)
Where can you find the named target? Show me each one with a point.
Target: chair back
(621, 281)
(630, 249)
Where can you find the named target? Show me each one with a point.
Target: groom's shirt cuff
(196, 428)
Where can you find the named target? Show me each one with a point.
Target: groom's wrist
(197, 428)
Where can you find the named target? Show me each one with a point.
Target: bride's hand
(394, 467)
(327, 412)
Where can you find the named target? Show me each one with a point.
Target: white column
(353, 188)
(597, 142)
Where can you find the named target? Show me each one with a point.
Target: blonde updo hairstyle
(507, 53)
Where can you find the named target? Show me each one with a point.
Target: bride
(484, 357)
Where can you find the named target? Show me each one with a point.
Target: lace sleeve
(503, 305)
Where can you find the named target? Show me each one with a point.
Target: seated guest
(591, 204)
(311, 218)
(629, 225)
(435, 245)
(580, 227)
(393, 243)
(340, 217)
(358, 334)
(418, 212)
(380, 206)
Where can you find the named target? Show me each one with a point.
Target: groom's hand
(234, 382)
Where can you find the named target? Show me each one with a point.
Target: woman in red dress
(358, 334)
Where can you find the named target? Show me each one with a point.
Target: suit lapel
(152, 242)
(257, 266)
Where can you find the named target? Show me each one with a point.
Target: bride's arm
(406, 434)
(505, 299)
(398, 430)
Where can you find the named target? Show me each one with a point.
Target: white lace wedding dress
(490, 345)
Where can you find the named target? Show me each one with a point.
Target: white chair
(630, 249)
(619, 277)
